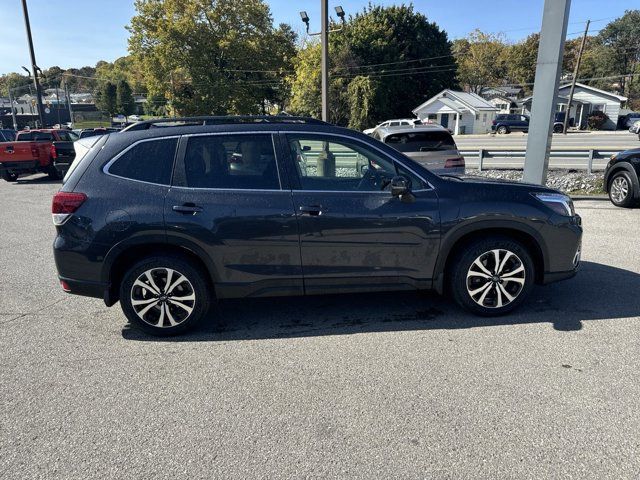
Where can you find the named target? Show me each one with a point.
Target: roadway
(399, 385)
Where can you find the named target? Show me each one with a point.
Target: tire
(10, 176)
(502, 130)
(558, 128)
(156, 311)
(473, 269)
(621, 189)
(53, 173)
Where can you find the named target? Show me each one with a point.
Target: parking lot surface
(360, 386)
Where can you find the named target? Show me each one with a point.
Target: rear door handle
(190, 208)
(311, 210)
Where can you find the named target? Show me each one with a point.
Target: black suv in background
(512, 122)
(166, 218)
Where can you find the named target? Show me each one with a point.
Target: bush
(596, 120)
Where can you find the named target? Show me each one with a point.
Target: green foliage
(482, 60)
(388, 52)
(361, 93)
(521, 61)
(596, 120)
(125, 104)
(211, 57)
(106, 98)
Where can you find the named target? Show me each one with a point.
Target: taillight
(52, 151)
(454, 162)
(495, 122)
(64, 205)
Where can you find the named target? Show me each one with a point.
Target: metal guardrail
(586, 155)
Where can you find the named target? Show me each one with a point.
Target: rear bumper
(84, 287)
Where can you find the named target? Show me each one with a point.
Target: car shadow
(598, 292)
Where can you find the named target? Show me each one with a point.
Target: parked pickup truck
(34, 151)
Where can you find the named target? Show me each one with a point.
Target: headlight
(558, 202)
(613, 157)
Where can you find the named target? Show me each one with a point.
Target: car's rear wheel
(492, 276)
(502, 130)
(10, 176)
(621, 189)
(558, 128)
(53, 173)
(164, 295)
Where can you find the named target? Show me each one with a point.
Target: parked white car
(134, 118)
(397, 122)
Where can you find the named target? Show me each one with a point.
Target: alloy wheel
(163, 297)
(619, 189)
(496, 278)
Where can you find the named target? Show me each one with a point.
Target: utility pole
(575, 78)
(324, 41)
(545, 89)
(13, 113)
(66, 92)
(34, 66)
(324, 36)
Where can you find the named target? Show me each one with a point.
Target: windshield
(34, 137)
(420, 141)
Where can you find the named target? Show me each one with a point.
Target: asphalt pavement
(400, 385)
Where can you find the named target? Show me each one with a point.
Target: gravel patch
(568, 181)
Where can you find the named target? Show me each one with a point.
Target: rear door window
(147, 161)
(421, 141)
(231, 162)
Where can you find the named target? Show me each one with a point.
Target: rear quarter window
(147, 161)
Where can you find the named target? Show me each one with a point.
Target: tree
(361, 92)
(622, 41)
(125, 103)
(395, 55)
(521, 62)
(106, 98)
(481, 59)
(215, 57)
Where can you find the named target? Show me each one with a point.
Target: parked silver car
(430, 145)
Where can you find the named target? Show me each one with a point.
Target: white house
(461, 112)
(586, 99)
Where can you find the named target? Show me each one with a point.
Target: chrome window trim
(247, 132)
(304, 132)
(105, 169)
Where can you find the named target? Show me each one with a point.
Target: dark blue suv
(171, 215)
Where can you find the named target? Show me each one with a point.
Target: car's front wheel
(491, 276)
(502, 130)
(621, 189)
(164, 295)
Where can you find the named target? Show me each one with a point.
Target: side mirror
(400, 186)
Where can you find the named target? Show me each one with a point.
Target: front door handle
(311, 210)
(187, 208)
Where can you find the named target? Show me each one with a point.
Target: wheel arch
(121, 257)
(453, 242)
(618, 167)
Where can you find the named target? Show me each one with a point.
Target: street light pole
(34, 66)
(324, 36)
(13, 112)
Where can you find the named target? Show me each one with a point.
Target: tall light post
(324, 41)
(34, 66)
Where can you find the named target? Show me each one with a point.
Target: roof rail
(219, 120)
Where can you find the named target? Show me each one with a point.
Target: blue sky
(74, 33)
